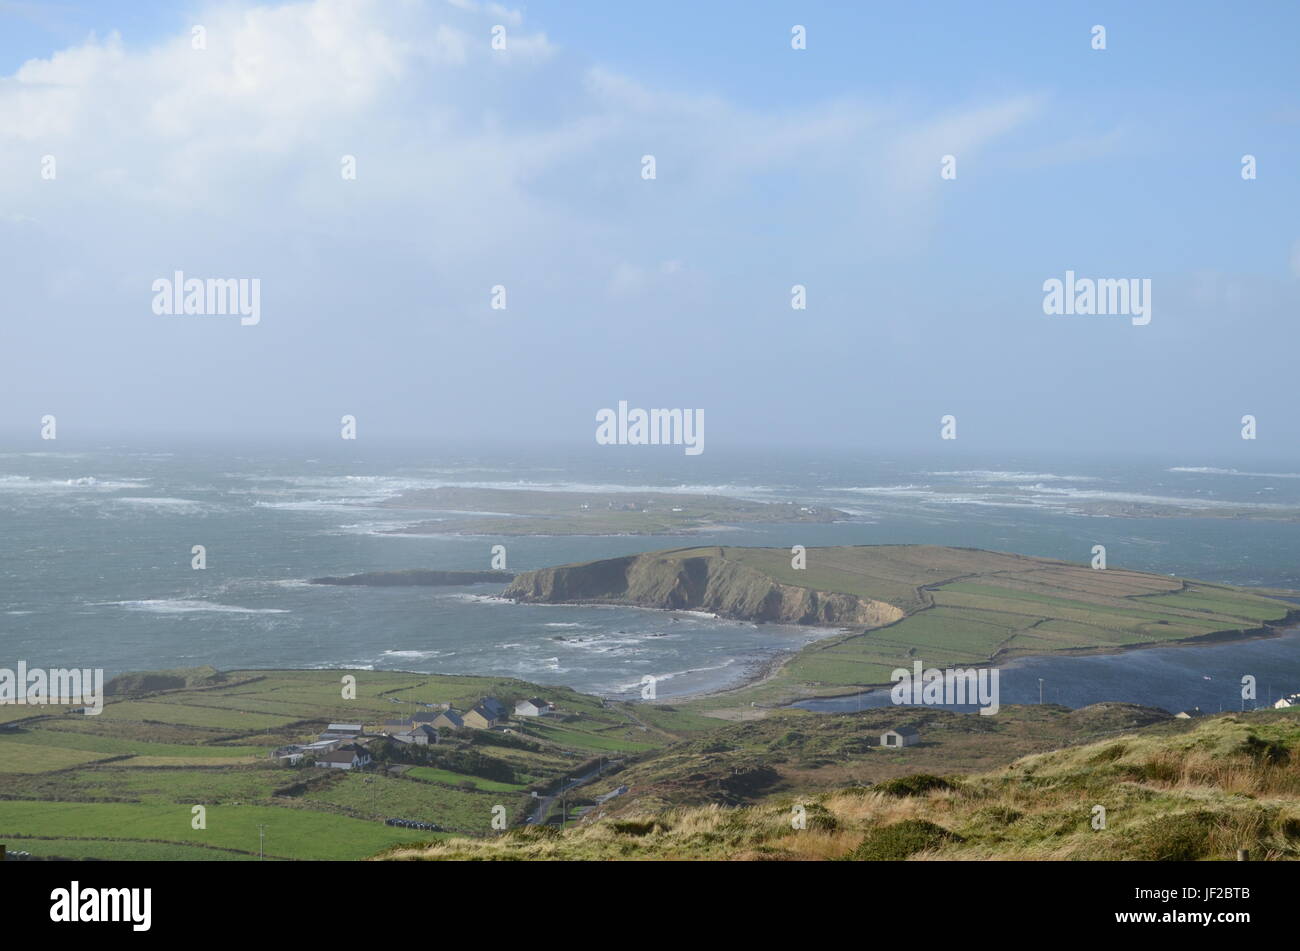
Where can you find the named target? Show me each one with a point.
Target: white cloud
(474, 167)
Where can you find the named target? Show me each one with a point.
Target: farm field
(963, 607)
(124, 784)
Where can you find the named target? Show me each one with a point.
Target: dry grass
(1232, 782)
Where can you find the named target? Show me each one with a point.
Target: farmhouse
(349, 757)
(422, 735)
(290, 754)
(414, 720)
(1291, 701)
(533, 707)
(480, 718)
(448, 720)
(903, 736)
(1189, 714)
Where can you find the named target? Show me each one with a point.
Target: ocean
(95, 559)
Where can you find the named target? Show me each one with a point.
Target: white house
(533, 707)
(1291, 701)
(903, 736)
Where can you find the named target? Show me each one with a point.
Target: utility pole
(1040, 690)
(261, 833)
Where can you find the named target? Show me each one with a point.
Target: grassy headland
(900, 603)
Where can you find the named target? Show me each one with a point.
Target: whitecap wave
(1210, 470)
(1011, 475)
(187, 605)
(22, 483)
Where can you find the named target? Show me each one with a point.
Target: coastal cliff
(697, 582)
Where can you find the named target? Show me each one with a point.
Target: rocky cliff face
(697, 583)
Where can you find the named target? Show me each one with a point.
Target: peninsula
(895, 604)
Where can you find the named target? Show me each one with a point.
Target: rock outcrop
(696, 582)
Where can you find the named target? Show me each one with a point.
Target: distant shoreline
(768, 670)
(417, 578)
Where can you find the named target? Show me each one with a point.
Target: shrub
(1178, 838)
(638, 827)
(915, 785)
(533, 832)
(1108, 754)
(893, 843)
(996, 816)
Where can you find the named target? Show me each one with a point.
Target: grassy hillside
(794, 750)
(1186, 791)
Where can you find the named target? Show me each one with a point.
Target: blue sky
(775, 167)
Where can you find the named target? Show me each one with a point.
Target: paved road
(538, 815)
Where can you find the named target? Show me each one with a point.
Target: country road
(538, 815)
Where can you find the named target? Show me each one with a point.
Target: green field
(123, 784)
(434, 775)
(290, 833)
(965, 607)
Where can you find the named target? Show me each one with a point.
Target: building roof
(538, 702)
(904, 731)
(424, 730)
(344, 728)
(339, 756)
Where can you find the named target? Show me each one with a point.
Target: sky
(774, 167)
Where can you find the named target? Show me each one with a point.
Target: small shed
(900, 737)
